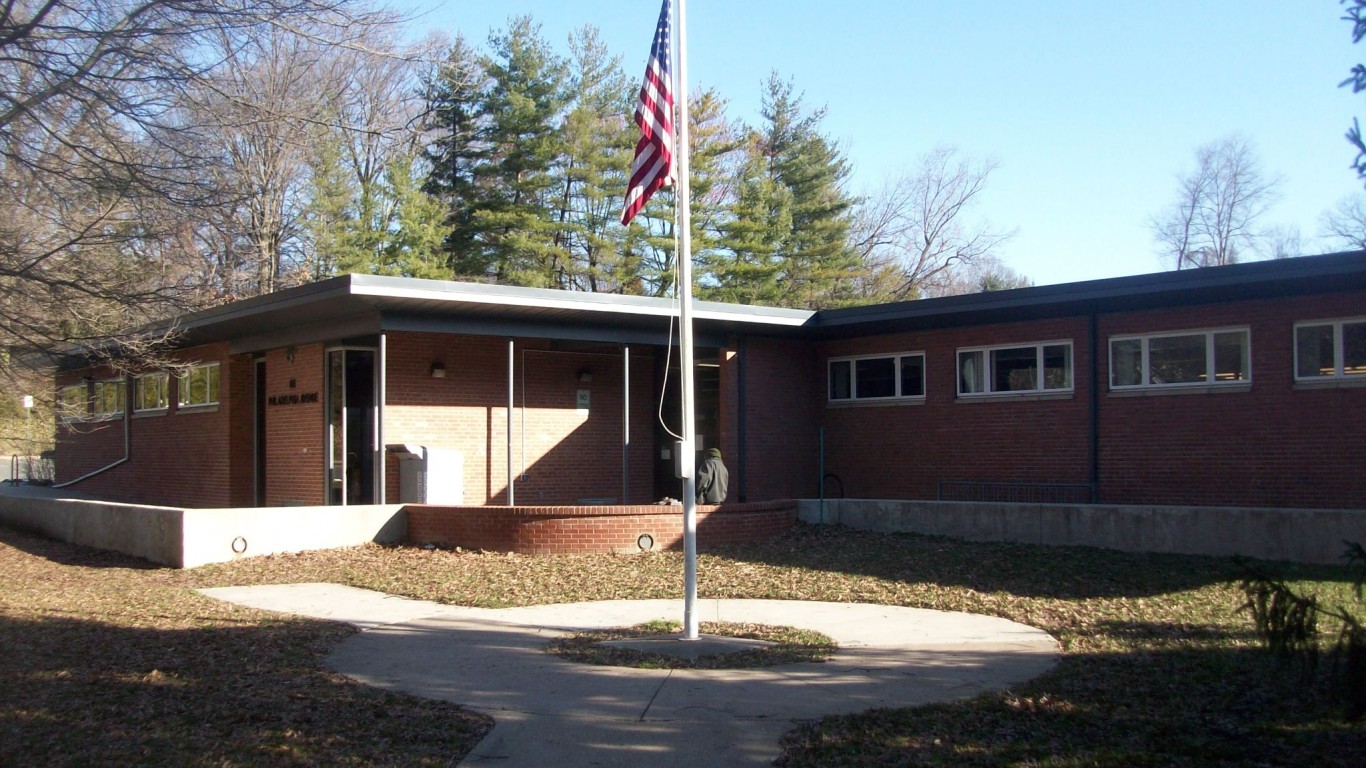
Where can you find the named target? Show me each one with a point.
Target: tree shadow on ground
(83, 693)
(62, 553)
(1024, 570)
(1179, 706)
(108, 661)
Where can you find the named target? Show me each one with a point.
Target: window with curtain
(1015, 369)
(1184, 358)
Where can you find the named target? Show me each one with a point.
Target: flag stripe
(653, 166)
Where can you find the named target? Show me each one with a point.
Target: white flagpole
(684, 225)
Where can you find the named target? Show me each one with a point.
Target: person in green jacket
(712, 479)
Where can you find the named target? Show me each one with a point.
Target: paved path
(554, 712)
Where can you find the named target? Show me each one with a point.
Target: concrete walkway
(554, 712)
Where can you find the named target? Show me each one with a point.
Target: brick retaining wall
(573, 529)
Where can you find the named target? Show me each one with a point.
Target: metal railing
(1017, 493)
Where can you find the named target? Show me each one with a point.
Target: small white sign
(28, 402)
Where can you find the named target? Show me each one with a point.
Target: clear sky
(1092, 109)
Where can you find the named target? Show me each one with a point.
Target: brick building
(1227, 386)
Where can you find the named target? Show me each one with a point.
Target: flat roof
(361, 305)
(356, 305)
(1234, 282)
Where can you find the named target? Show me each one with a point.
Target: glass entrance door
(352, 421)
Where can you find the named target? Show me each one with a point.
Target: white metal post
(689, 458)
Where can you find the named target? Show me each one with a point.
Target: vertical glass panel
(1057, 366)
(150, 392)
(1354, 349)
(875, 377)
(1314, 351)
(74, 402)
(108, 397)
(199, 386)
(913, 376)
(971, 376)
(1126, 363)
(841, 380)
(1231, 356)
(1015, 369)
(1176, 359)
(336, 425)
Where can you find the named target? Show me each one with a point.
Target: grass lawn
(108, 661)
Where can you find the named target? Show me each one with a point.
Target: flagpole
(685, 338)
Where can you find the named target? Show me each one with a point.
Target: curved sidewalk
(555, 712)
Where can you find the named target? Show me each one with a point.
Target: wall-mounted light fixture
(438, 370)
(289, 354)
(585, 375)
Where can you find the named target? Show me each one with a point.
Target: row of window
(1324, 351)
(195, 386)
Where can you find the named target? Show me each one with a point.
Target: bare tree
(986, 273)
(1213, 219)
(1346, 223)
(914, 232)
(102, 167)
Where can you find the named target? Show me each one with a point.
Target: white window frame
(138, 386)
(1210, 376)
(183, 386)
(988, 375)
(120, 387)
(1339, 353)
(852, 360)
(76, 411)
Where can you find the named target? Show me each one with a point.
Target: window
(150, 392)
(73, 402)
(109, 397)
(1015, 369)
(1181, 359)
(1331, 349)
(198, 386)
(880, 377)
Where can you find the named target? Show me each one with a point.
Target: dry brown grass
(110, 662)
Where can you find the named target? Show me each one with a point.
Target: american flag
(653, 167)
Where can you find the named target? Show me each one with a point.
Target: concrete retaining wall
(1299, 535)
(185, 538)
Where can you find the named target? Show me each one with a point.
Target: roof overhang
(358, 305)
(1237, 282)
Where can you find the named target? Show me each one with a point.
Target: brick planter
(570, 529)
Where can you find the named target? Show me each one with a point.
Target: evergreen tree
(513, 227)
(598, 143)
(750, 269)
(714, 164)
(457, 117)
(788, 238)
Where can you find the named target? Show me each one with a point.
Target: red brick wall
(562, 454)
(541, 530)
(177, 458)
(783, 400)
(295, 442)
(240, 393)
(1274, 445)
(903, 450)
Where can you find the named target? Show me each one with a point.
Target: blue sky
(1091, 109)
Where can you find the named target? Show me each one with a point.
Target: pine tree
(714, 158)
(788, 235)
(513, 227)
(457, 116)
(598, 144)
